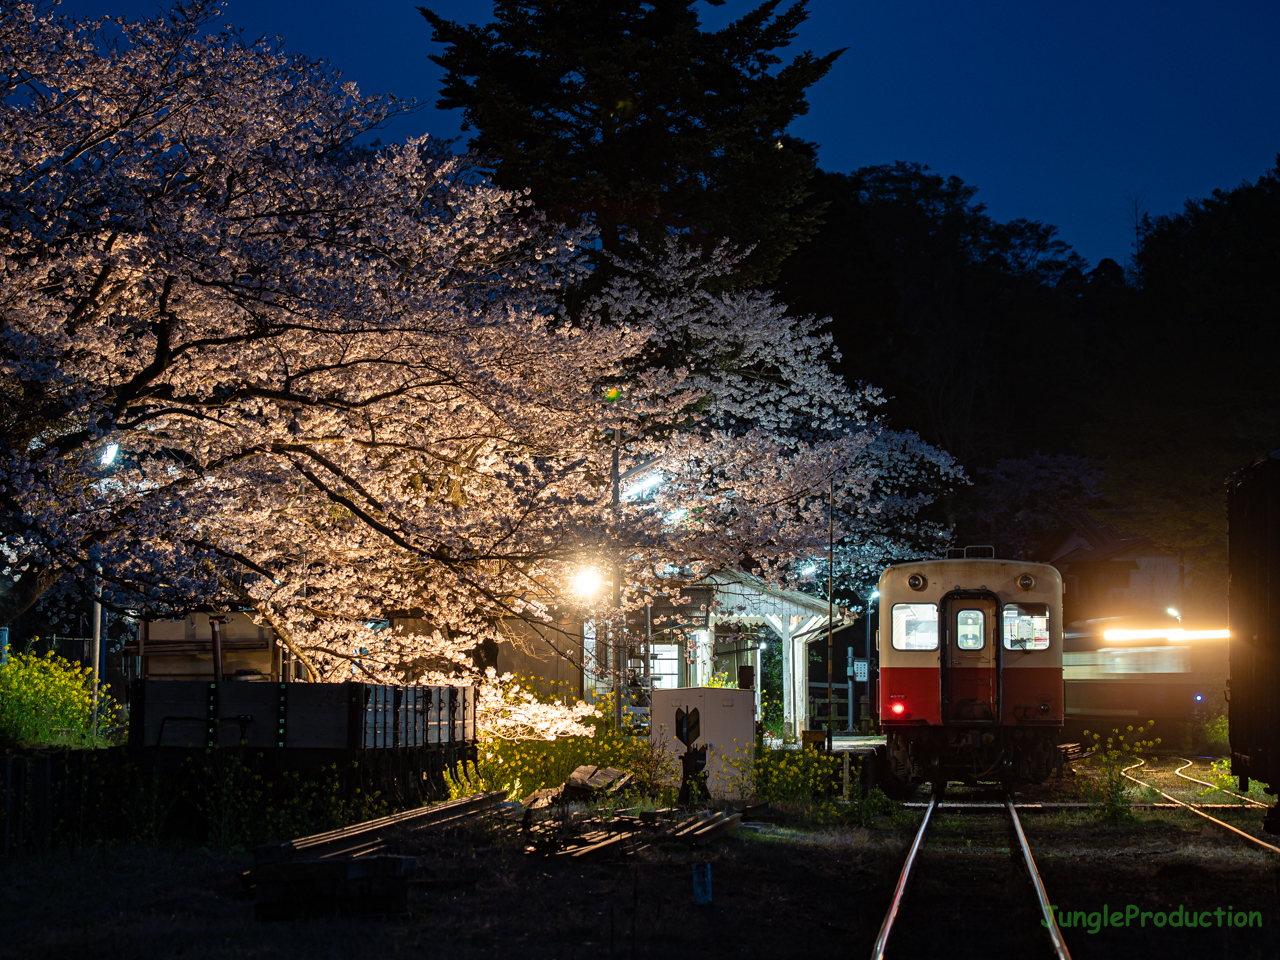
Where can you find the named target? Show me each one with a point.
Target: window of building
(664, 666)
(595, 662)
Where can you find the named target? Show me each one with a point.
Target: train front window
(1026, 626)
(915, 626)
(969, 629)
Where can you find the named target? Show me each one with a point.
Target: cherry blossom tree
(247, 361)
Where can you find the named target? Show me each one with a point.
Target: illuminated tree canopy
(247, 362)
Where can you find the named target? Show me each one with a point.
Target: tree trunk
(26, 590)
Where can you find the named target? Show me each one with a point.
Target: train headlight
(1026, 581)
(917, 581)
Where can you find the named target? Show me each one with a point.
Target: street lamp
(875, 595)
(587, 583)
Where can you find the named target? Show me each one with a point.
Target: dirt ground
(780, 891)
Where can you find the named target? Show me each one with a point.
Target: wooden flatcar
(400, 740)
(300, 716)
(217, 680)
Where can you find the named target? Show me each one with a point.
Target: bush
(1217, 735)
(1110, 800)
(795, 776)
(240, 808)
(1220, 774)
(48, 701)
(523, 766)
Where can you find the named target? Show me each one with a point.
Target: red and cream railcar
(970, 683)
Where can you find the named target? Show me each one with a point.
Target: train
(970, 682)
(1253, 616)
(1130, 670)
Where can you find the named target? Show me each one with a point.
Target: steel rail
(882, 940)
(1059, 945)
(1055, 935)
(1238, 796)
(1194, 809)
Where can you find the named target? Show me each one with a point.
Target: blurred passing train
(1130, 670)
(970, 672)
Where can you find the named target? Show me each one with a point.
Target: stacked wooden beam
(1073, 752)
(349, 872)
(585, 836)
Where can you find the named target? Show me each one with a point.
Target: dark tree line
(627, 114)
(1192, 389)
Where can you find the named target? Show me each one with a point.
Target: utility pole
(619, 639)
(96, 647)
(831, 579)
(871, 598)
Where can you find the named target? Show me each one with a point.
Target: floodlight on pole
(587, 583)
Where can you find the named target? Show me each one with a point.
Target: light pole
(831, 579)
(619, 638)
(108, 457)
(875, 595)
(96, 646)
(759, 658)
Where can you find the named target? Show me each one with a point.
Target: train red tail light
(898, 709)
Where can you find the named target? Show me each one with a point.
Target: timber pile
(349, 872)
(1073, 752)
(549, 827)
(587, 784)
(623, 834)
(358, 871)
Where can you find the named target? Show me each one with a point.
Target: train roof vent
(971, 553)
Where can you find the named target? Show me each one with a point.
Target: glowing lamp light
(897, 709)
(109, 454)
(875, 594)
(1199, 697)
(587, 583)
(810, 569)
(1171, 611)
(1165, 634)
(640, 488)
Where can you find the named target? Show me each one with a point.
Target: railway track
(1195, 808)
(979, 885)
(1239, 796)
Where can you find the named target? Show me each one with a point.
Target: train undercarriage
(970, 755)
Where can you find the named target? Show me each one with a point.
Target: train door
(970, 658)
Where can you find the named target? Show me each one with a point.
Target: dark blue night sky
(1059, 113)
